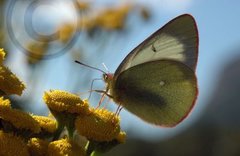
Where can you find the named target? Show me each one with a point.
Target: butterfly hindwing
(163, 94)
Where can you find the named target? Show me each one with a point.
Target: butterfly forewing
(177, 40)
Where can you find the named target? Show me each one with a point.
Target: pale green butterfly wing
(163, 94)
(177, 40)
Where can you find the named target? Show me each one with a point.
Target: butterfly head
(108, 77)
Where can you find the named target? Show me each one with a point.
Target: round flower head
(47, 124)
(9, 83)
(61, 101)
(19, 119)
(65, 147)
(2, 56)
(100, 125)
(12, 145)
(37, 147)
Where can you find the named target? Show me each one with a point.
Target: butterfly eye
(105, 77)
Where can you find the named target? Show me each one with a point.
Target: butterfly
(156, 81)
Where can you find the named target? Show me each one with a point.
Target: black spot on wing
(153, 48)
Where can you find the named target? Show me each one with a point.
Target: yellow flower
(66, 32)
(61, 101)
(9, 83)
(101, 125)
(36, 50)
(65, 147)
(11, 145)
(47, 124)
(37, 147)
(87, 23)
(111, 19)
(2, 56)
(18, 119)
(145, 13)
(121, 137)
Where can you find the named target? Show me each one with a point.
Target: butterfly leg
(119, 108)
(92, 86)
(105, 105)
(101, 100)
(102, 97)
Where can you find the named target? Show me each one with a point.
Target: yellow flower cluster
(24, 121)
(98, 125)
(107, 19)
(95, 124)
(9, 83)
(18, 119)
(113, 18)
(22, 133)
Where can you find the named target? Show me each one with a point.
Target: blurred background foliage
(43, 39)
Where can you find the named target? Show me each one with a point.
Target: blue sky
(218, 23)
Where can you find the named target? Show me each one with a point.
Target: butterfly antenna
(90, 66)
(105, 67)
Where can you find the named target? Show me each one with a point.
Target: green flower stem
(64, 119)
(2, 93)
(90, 147)
(95, 153)
(94, 148)
(70, 125)
(58, 132)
